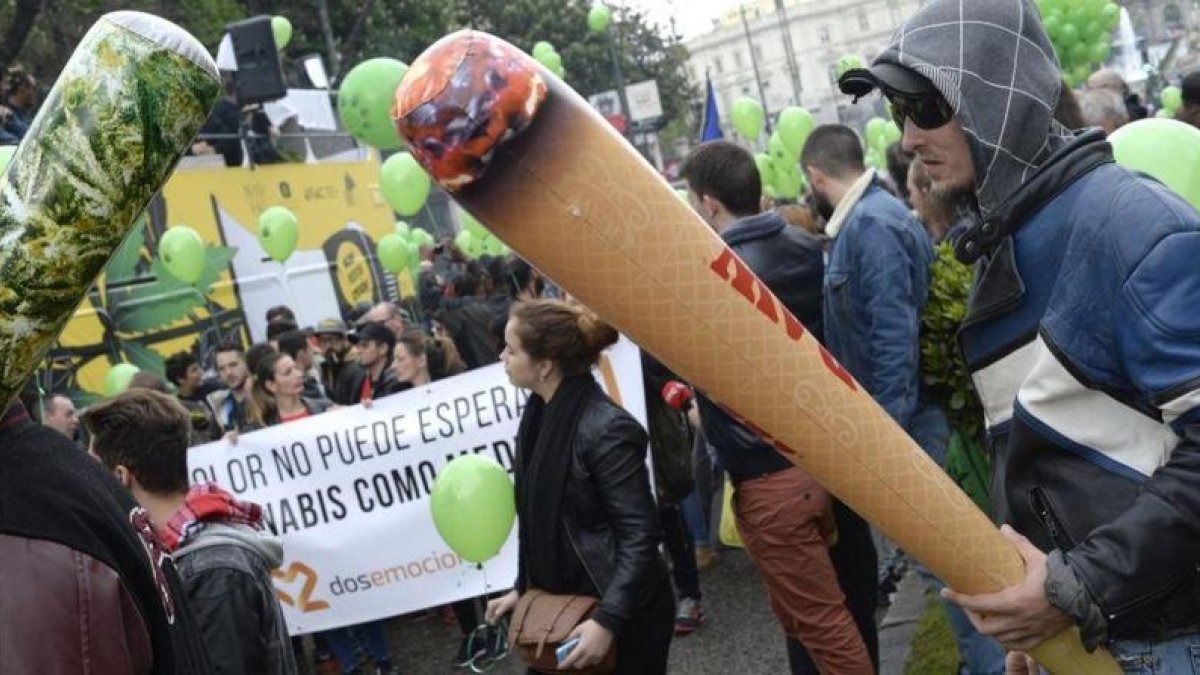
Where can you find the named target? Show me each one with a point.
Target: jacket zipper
(1050, 520)
(579, 554)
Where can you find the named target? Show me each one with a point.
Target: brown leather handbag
(542, 621)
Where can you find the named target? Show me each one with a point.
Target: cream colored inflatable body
(549, 176)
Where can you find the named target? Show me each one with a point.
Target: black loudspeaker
(259, 77)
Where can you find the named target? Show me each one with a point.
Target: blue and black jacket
(1083, 338)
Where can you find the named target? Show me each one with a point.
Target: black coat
(609, 516)
(469, 323)
(791, 264)
(350, 382)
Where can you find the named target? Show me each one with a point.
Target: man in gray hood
(1082, 335)
(220, 547)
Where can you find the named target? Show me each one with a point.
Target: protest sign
(348, 491)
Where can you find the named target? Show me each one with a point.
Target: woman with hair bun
(587, 522)
(421, 358)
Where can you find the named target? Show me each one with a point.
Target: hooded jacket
(1082, 335)
(226, 573)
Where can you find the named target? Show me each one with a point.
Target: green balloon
(402, 229)
(469, 244)
(876, 133)
(781, 157)
(875, 159)
(473, 507)
(421, 238)
(365, 99)
(1053, 25)
(1100, 51)
(848, 62)
(599, 18)
(892, 132)
(182, 253)
(1068, 36)
(552, 61)
(404, 184)
(1080, 53)
(6, 154)
(542, 49)
(465, 241)
(769, 190)
(278, 232)
(493, 246)
(1168, 150)
(116, 380)
(788, 183)
(1048, 6)
(394, 253)
(1172, 98)
(1078, 15)
(683, 196)
(1094, 8)
(281, 28)
(1111, 15)
(748, 117)
(470, 224)
(766, 168)
(794, 126)
(1165, 114)
(1081, 72)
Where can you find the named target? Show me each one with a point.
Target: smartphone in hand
(564, 650)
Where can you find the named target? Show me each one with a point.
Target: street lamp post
(762, 96)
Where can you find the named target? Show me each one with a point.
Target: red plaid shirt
(207, 503)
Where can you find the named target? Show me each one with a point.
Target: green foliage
(61, 24)
(944, 370)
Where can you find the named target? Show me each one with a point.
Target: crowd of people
(1063, 398)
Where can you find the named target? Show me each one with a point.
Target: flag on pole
(711, 130)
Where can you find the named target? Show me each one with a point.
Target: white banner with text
(348, 492)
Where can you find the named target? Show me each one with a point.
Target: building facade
(795, 46)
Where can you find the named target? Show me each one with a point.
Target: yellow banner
(139, 314)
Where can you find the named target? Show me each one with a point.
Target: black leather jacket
(790, 262)
(350, 382)
(609, 515)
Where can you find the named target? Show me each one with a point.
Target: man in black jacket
(85, 584)
(371, 376)
(224, 554)
(785, 518)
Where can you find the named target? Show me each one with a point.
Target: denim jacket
(876, 285)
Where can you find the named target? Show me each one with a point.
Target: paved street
(741, 635)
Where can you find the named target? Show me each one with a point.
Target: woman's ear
(545, 369)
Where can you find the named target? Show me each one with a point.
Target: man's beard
(823, 206)
(960, 206)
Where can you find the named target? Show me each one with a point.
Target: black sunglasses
(928, 112)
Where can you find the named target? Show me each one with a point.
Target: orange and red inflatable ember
(470, 94)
